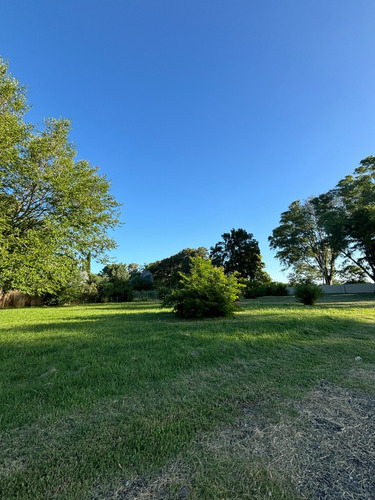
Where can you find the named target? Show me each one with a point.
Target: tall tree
(166, 272)
(348, 216)
(238, 252)
(54, 210)
(301, 242)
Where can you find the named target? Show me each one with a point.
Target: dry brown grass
(320, 447)
(326, 450)
(15, 298)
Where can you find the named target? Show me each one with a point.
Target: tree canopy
(238, 252)
(302, 244)
(55, 210)
(339, 224)
(348, 216)
(166, 272)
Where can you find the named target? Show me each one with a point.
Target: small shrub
(147, 295)
(308, 293)
(253, 290)
(277, 289)
(164, 292)
(205, 293)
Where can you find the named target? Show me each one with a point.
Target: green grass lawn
(127, 401)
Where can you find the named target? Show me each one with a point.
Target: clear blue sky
(205, 114)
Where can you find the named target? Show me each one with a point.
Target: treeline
(237, 254)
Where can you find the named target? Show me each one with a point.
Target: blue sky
(205, 114)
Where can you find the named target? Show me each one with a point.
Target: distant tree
(302, 272)
(133, 268)
(348, 216)
(90, 288)
(116, 286)
(166, 272)
(142, 280)
(302, 244)
(239, 252)
(116, 271)
(54, 210)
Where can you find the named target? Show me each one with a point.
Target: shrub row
(254, 289)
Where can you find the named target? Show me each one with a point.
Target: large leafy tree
(302, 244)
(348, 216)
(54, 210)
(166, 272)
(238, 252)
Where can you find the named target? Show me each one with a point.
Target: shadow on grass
(362, 300)
(126, 320)
(147, 382)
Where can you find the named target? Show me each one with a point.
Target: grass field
(125, 401)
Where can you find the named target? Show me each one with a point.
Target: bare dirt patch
(143, 488)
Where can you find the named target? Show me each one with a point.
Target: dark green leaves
(238, 252)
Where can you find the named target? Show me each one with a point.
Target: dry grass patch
(319, 447)
(323, 444)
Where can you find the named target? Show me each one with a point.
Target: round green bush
(205, 293)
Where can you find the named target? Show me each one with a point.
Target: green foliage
(308, 293)
(302, 244)
(351, 274)
(112, 284)
(142, 280)
(54, 210)
(66, 294)
(255, 289)
(166, 272)
(238, 252)
(164, 292)
(115, 285)
(13, 105)
(207, 292)
(348, 216)
(116, 272)
(90, 288)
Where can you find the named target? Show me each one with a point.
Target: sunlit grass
(98, 395)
